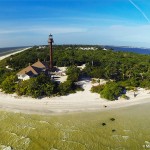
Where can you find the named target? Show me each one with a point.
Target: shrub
(145, 84)
(73, 73)
(97, 89)
(8, 85)
(111, 91)
(66, 87)
(37, 87)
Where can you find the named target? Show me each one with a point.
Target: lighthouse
(51, 41)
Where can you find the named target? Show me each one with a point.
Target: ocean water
(130, 49)
(129, 130)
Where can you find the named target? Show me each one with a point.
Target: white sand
(78, 102)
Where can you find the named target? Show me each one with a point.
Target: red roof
(34, 69)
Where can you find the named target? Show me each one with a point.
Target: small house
(33, 70)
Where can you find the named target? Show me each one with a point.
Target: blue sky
(104, 22)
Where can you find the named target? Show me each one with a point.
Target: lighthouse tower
(50, 41)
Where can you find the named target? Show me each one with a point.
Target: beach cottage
(33, 70)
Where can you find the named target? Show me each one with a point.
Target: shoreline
(82, 101)
(13, 53)
(67, 112)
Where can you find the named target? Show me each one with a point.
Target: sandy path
(78, 102)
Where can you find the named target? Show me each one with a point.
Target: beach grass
(77, 131)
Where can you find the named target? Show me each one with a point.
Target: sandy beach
(82, 101)
(77, 102)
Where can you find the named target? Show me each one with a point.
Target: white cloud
(46, 30)
(112, 35)
(34, 35)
